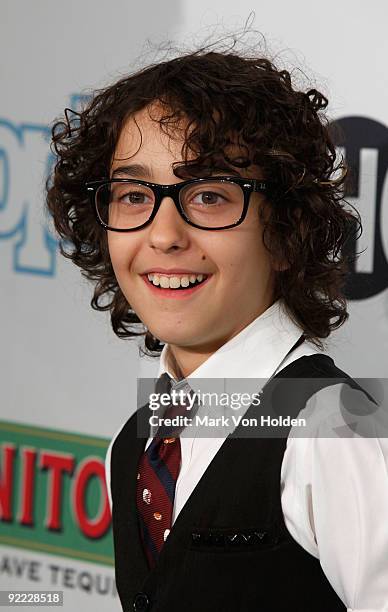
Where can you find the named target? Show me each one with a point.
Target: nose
(168, 230)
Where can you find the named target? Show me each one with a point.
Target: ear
(281, 266)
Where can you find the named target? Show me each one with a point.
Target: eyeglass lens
(207, 204)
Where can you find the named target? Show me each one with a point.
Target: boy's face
(240, 283)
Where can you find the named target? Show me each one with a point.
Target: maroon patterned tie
(156, 480)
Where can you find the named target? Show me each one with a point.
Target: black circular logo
(364, 145)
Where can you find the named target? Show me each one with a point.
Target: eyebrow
(133, 170)
(143, 171)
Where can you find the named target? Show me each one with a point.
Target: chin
(172, 336)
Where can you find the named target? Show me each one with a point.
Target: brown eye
(207, 198)
(136, 197)
(132, 194)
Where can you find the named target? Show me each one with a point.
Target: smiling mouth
(180, 282)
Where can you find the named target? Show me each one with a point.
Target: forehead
(143, 139)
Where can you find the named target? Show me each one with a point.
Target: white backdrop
(61, 367)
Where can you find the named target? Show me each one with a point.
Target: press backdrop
(66, 382)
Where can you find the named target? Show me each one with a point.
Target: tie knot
(163, 384)
(178, 407)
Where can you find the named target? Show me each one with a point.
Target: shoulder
(329, 398)
(136, 426)
(122, 444)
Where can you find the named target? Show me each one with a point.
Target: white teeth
(164, 282)
(174, 282)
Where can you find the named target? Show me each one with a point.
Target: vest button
(140, 602)
(196, 538)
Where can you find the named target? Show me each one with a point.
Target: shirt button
(141, 602)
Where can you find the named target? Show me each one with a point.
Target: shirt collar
(255, 352)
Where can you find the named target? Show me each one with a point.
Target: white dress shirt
(334, 491)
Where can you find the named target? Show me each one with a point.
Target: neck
(173, 365)
(183, 360)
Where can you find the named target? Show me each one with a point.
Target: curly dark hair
(226, 99)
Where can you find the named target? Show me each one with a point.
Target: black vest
(229, 549)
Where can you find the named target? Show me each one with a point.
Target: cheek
(244, 250)
(121, 252)
(247, 261)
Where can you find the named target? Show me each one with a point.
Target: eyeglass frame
(248, 186)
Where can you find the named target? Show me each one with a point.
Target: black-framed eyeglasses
(212, 203)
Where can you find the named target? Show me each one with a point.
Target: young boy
(199, 194)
